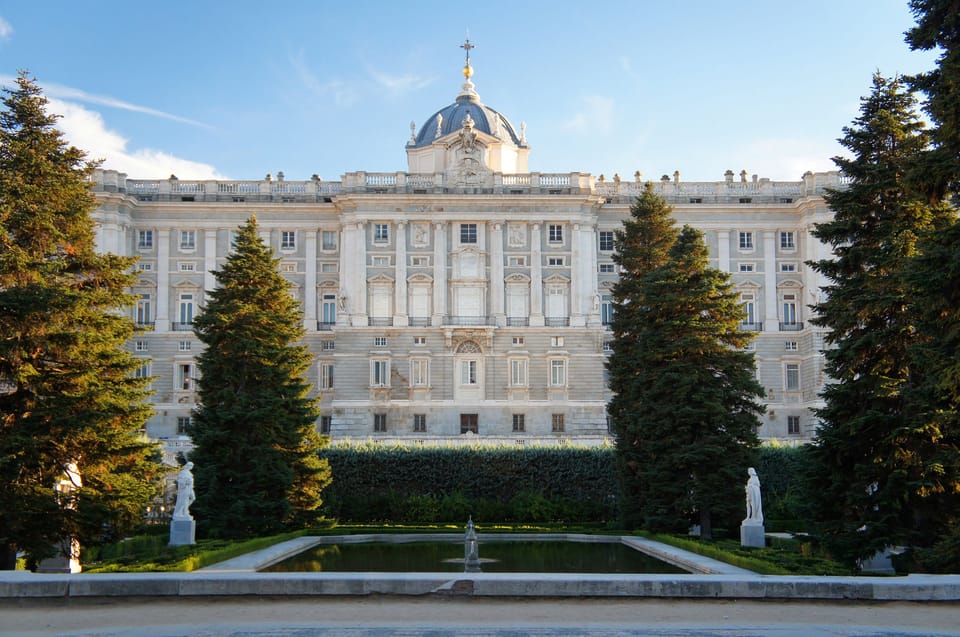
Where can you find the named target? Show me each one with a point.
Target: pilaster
(496, 275)
(162, 320)
(536, 278)
(400, 317)
(770, 321)
(310, 280)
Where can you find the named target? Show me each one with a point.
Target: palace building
(466, 297)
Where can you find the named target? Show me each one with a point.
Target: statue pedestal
(752, 534)
(182, 531)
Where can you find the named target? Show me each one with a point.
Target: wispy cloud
(5, 29)
(399, 84)
(595, 117)
(86, 130)
(343, 93)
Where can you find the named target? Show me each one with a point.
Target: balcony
(380, 321)
(325, 326)
(419, 321)
(557, 321)
(466, 320)
(182, 327)
(518, 321)
(751, 327)
(794, 326)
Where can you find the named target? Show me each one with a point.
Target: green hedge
(397, 483)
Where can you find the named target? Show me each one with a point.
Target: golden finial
(467, 69)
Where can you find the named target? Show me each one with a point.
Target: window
(519, 422)
(555, 233)
(790, 346)
(606, 240)
(143, 310)
(746, 241)
(788, 267)
(556, 341)
(328, 313)
(288, 267)
(186, 309)
(145, 267)
(420, 262)
(556, 423)
(325, 422)
(184, 346)
(419, 423)
(789, 309)
(327, 346)
(328, 240)
(468, 233)
(140, 346)
(517, 262)
(419, 340)
(380, 423)
(288, 240)
(518, 340)
(188, 239)
(380, 372)
(379, 341)
(792, 380)
(787, 240)
(326, 375)
(518, 372)
(469, 423)
(329, 268)
(558, 372)
(749, 309)
(419, 372)
(143, 371)
(607, 268)
(555, 261)
(606, 310)
(381, 262)
(468, 372)
(696, 199)
(187, 266)
(381, 233)
(608, 346)
(746, 200)
(746, 267)
(184, 377)
(785, 200)
(144, 239)
(793, 425)
(183, 425)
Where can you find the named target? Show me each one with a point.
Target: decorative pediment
(789, 284)
(328, 285)
(557, 279)
(380, 279)
(186, 284)
(420, 278)
(606, 286)
(748, 284)
(517, 278)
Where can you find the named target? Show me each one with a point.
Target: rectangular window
(746, 267)
(556, 341)
(420, 423)
(183, 425)
(787, 240)
(329, 268)
(606, 240)
(419, 372)
(555, 233)
(518, 340)
(419, 340)
(328, 240)
(790, 346)
(381, 262)
(143, 371)
(608, 346)
(789, 309)
(326, 375)
(144, 239)
(184, 346)
(792, 380)
(517, 262)
(188, 239)
(325, 422)
(420, 262)
(793, 425)
(606, 310)
(555, 261)
(288, 267)
(186, 309)
(381, 233)
(468, 233)
(145, 267)
(746, 200)
(328, 313)
(327, 346)
(288, 240)
(380, 373)
(557, 424)
(379, 341)
(187, 266)
(469, 423)
(184, 379)
(518, 372)
(607, 268)
(380, 423)
(468, 372)
(519, 422)
(140, 346)
(558, 372)
(788, 267)
(143, 310)
(746, 241)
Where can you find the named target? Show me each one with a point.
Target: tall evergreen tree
(257, 468)
(684, 406)
(641, 246)
(871, 470)
(68, 395)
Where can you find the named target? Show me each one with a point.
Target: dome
(451, 118)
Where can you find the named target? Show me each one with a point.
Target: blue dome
(484, 119)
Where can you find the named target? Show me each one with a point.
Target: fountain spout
(471, 554)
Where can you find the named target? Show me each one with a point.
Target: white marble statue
(754, 505)
(185, 494)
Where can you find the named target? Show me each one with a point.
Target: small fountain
(471, 554)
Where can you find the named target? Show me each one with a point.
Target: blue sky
(240, 89)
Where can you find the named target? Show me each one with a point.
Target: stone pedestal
(67, 559)
(182, 531)
(752, 534)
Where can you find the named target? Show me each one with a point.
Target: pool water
(497, 557)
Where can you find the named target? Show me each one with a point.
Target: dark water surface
(508, 557)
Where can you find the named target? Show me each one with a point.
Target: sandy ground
(261, 616)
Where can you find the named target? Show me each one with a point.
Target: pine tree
(68, 395)
(257, 468)
(641, 246)
(871, 452)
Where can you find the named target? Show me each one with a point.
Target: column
(496, 275)
(400, 317)
(439, 274)
(162, 319)
(357, 294)
(310, 280)
(770, 321)
(723, 250)
(209, 260)
(588, 270)
(536, 278)
(348, 272)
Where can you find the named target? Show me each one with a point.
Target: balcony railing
(518, 321)
(557, 321)
(419, 321)
(325, 326)
(746, 326)
(794, 326)
(183, 327)
(380, 321)
(466, 320)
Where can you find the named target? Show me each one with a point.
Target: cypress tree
(871, 453)
(257, 468)
(68, 395)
